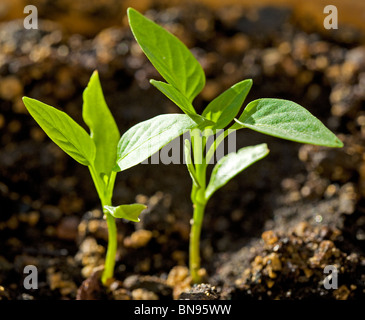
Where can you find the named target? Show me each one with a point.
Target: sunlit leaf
(287, 120)
(103, 129)
(147, 137)
(225, 107)
(168, 54)
(232, 164)
(63, 130)
(129, 212)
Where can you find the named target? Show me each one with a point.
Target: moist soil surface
(267, 234)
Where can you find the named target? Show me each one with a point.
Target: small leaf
(103, 129)
(147, 137)
(232, 164)
(168, 54)
(287, 120)
(129, 212)
(189, 162)
(179, 99)
(63, 130)
(225, 107)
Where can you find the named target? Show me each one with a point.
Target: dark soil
(268, 234)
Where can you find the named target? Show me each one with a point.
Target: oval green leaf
(147, 137)
(129, 212)
(63, 130)
(287, 120)
(232, 164)
(168, 54)
(103, 129)
(225, 107)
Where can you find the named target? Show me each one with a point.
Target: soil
(268, 234)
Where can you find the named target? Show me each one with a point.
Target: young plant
(185, 78)
(104, 152)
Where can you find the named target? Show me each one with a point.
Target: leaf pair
(97, 149)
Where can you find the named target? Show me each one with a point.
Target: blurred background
(49, 210)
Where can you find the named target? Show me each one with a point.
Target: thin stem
(199, 201)
(105, 193)
(194, 246)
(97, 182)
(112, 249)
(216, 143)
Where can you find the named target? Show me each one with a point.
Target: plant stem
(216, 143)
(112, 248)
(199, 201)
(194, 246)
(105, 193)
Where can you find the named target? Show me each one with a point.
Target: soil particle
(10, 88)
(152, 284)
(203, 291)
(56, 281)
(138, 239)
(121, 294)
(342, 293)
(4, 294)
(93, 224)
(91, 288)
(67, 229)
(143, 294)
(179, 279)
(90, 255)
(279, 269)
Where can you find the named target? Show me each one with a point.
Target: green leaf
(287, 120)
(225, 107)
(147, 137)
(168, 54)
(189, 162)
(63, 130)
(103, 129)
(232, 164)
(179, 99)
(129, 212)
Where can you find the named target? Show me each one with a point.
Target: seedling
(98, 151)
(185, 78)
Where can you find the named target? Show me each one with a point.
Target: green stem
(112, 249)
(194, 246)
(105, 193)
(199, 201)
(216, 143)
(198, 197)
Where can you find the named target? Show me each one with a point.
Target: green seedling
(185, 78)
(104, 152)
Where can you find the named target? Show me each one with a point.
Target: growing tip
(339, 143)
(130, 11)
(95, 74)
(26, 100)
